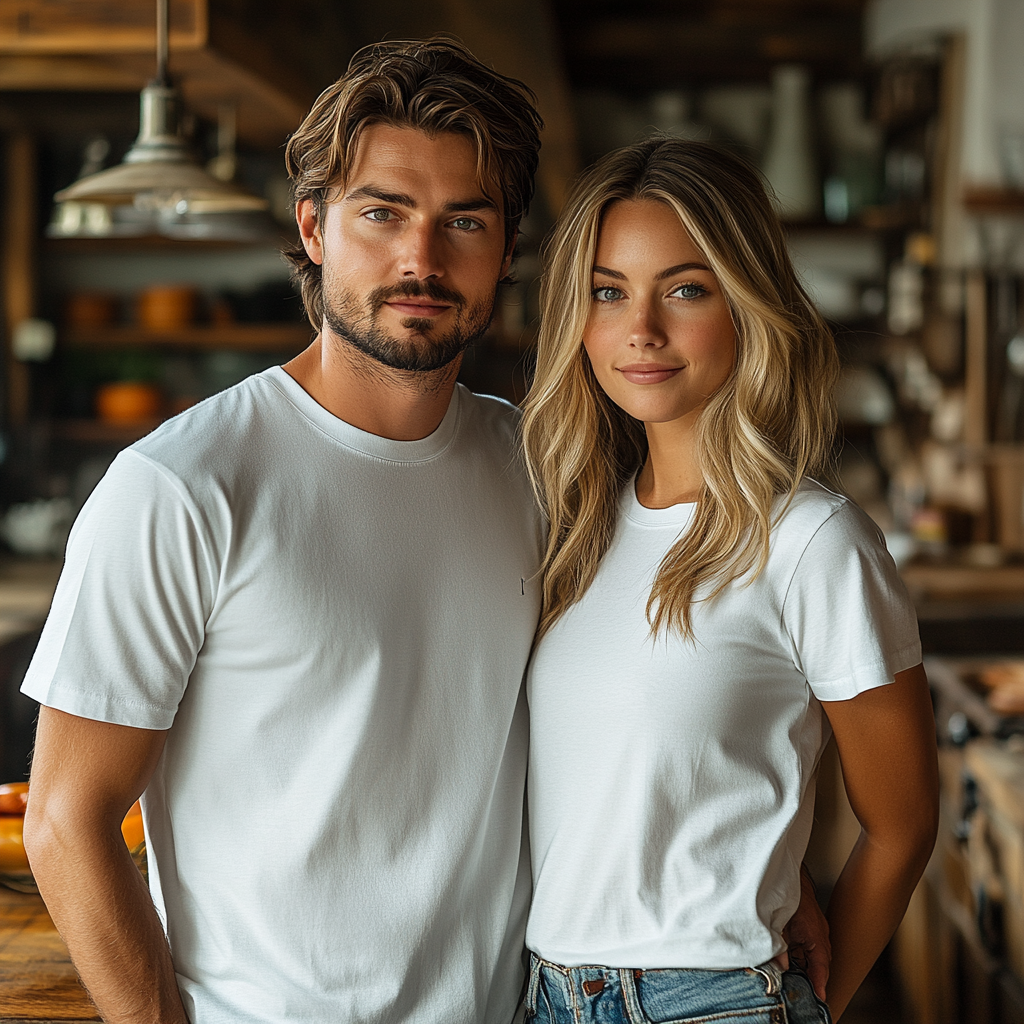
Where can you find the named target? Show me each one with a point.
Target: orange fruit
(131, 827)
(13, 797)
(12, 846)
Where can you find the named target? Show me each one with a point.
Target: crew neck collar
(674, 515)
(361, 440)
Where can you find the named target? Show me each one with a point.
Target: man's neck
(402, 405)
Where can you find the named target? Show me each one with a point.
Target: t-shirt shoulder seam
(192, 507)
(842, 504)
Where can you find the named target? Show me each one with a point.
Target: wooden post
(947, 198)
(19, 242)
(976, 361)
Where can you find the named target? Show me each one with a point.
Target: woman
(710, 612)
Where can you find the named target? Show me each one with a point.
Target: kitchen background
(892, 132)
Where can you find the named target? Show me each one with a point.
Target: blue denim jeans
(608, 995)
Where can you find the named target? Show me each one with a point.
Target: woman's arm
(886, 742)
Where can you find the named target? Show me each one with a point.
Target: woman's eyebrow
(680, 268)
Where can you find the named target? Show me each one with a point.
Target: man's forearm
(103, 911)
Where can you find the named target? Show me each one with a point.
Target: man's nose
(421, 255)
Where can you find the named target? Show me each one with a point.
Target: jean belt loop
(533, 985)
(772, 974)
(630, 996)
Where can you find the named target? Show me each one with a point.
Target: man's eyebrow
(403, 199)
(372, 192)
(475, 203)
(679, 268)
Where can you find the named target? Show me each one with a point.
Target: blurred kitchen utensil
(790, 163)
(38, 527)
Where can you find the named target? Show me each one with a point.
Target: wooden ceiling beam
(655, 52)
(220, 54)
(695, 9)
(91, 26)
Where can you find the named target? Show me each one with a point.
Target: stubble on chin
(426, 353)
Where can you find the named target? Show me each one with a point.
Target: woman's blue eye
(607, 294)
(690, 291)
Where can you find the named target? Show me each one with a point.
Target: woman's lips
(642, 373)
(417, 309)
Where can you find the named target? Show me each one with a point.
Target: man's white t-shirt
(671, 782)
(334, 627)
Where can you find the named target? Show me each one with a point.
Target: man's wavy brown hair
(435, 85)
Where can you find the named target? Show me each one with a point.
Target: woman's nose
(646, 329)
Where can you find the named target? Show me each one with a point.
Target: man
(298, 615)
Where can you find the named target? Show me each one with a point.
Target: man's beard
(358, 324)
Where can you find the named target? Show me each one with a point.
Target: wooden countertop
(37, 981)
(964, 582)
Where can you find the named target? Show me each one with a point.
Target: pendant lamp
(160, 182)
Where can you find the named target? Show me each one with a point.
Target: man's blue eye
(465, 223)
(380, 215)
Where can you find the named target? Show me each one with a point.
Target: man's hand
(807, 936)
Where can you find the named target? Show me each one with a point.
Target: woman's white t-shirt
(671, 783)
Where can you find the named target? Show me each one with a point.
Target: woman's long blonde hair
(771, 424)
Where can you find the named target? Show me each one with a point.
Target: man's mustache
(415, 289)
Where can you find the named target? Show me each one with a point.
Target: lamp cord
(162, 32)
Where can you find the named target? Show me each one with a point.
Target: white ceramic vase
(789, 160)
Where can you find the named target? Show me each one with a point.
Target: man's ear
(506, 263)
(309, 230)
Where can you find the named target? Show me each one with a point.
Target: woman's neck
(672, 474)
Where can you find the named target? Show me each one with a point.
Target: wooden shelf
(160, 243)
(97, 432)
(963, 581)
(285, 337)
(982, 200)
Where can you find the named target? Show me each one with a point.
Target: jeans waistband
(583, 983)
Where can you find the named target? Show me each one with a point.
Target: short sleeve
(847, 613)
(128, 616)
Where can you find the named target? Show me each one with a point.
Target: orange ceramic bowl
(13, 797)
(128, 402)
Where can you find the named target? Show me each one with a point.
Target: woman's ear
(309, 229)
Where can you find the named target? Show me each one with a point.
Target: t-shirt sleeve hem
(868, 677)
(101, 707)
